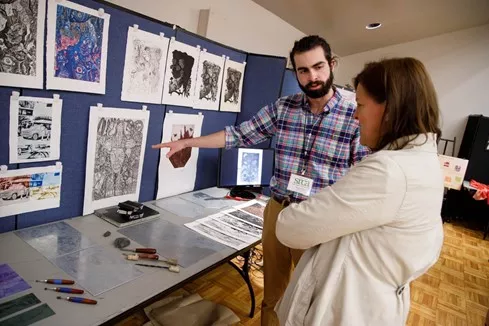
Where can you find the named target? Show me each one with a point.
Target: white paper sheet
(115, 153)
(30, 189)
(177, 174)
(180, 74)
(144, 66)
(22, 53)
(209, 81)
(232, 88)
(35, 129)
(76, 48)
(453, 169)
(249, 166)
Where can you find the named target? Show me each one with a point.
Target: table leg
(245, 275)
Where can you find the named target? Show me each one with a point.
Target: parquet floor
(455, 291)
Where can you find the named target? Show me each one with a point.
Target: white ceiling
(342, 23)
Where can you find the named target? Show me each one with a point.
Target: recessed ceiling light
(373, 25)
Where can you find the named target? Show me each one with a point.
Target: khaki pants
(278, 262)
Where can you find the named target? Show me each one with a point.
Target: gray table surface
(31, 266)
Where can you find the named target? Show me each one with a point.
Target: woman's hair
(411, 105)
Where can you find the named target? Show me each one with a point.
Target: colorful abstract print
(78, 45)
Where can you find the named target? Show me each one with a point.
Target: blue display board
(259, 89)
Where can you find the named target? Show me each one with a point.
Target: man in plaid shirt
(317, 140)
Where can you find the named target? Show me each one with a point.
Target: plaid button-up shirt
(324, 145)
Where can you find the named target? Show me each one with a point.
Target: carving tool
(78, 300)
(142, 256)
(56, 281)
(142, 250)
(170, 261)
(66, 290)
(171, 268)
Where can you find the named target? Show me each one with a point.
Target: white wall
(241, 24)
(459, 66)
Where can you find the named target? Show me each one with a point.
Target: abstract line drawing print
(232, 231)
(117, 151)
(179, 159)
(255, 209)
(232, 86)
(117, 138)
(22, 43)
(76, 48)
(181, 70)
(30, 189)
(181, 74)
(249, 166)
(177, 174)
(249, 218)
(242, 225)
(209, 81)
(144, 66)
(211, 233)
(35, 128)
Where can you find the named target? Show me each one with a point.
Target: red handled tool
(78, 300)
(141, 256)
(66, 290)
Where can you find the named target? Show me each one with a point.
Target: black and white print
(233, 78)
(180, 75)
(22, 42)
(225, 239)
(255, 220)
(232, 86)
(117, 138)
(232, 231)
(117, 157)
(249, 166)
(209, 81)
(239, 224)
(144, 66)
(256, 209)
(35, 128)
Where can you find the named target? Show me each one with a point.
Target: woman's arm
(368, 196)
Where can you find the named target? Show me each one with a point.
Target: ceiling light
(373, 25)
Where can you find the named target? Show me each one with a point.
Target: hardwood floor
(455, 291)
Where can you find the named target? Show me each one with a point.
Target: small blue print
(37, 176)
(56, 174)
(35, 184)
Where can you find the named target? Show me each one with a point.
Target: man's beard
(317, 93)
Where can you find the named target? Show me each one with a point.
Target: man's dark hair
(308, 43)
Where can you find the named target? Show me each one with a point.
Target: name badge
(300, 184)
